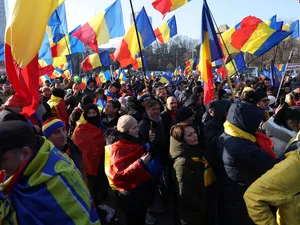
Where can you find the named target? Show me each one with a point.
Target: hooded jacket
(189, 180)
(241, 163)
(280, 188)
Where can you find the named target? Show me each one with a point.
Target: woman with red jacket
(129, 169)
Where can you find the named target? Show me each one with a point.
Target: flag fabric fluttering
(293, 28)
(106, 25)
(29, 19)
(165, 6)
(104, 76)
(275, 75)
(225, 41)
(210, 51)
(125, 54)
(43, 79)
(256, 37)
(166, 31)
(95, 60)
(274, 24)
(177, 71)
(190, 66)
(236, 65)
(2, 51)
(122, 77)
(281, 67)
(137, 63)
(165, 78)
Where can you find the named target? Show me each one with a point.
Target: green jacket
(189, 179)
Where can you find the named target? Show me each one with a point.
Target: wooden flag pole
(138, 39)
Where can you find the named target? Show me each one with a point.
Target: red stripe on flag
(163, 6)
(242, 35)
(209, 93)
(123, 55)
(24, 81)
(158, 34)
(87, 35)
(86, 64)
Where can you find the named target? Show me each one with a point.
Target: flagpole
(236, 71)
(138, 38)
(283, 76)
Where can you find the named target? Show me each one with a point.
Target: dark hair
(99, 91)
(159, 89)
(177, 131)
(150, 103)
(86, 100)
(293, 114)
(115, 104)
(281, 116)
(267, 78)
(247, 96)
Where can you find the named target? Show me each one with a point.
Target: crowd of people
(145, 143)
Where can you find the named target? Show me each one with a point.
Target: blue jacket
(241, 163)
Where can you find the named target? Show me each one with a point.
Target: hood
(206, 117)
(245, 116)
(220, 107)
(181, 149)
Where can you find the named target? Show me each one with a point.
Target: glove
(154, 167)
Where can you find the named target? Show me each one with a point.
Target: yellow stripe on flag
(132, 41)
(205, 57)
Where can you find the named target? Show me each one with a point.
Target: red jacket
(123, 167)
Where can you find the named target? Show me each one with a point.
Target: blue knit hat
(51, 125)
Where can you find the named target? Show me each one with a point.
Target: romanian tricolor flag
(29, 19)
(43, 79)
(256, 37)
(129, 47)
(137, 63)
(122, 77)
(236, 65)
(166, 31)
(293, 28)
(281, 67)
(95, 60)
(57, 72)
(225, 41)
(83, 83)
(105, 25)
(165, 78)
(190, 66)
(165, 6)
(177, 71)
(104, 76)
(46, 70)
(210, 51)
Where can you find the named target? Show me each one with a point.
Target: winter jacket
(280, 188)
(279, 135)
(91, 93)
(90, 141)
(8, 115)
(212, 130)
(160, 147)
(292, 144)
(72, 101)
(241, 163)
(74, 117)
(189, 177)
(109, 124)
(167, 122)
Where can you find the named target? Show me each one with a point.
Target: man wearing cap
(55, 131)
(39, 183)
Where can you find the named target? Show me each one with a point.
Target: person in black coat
(213, 120)
(242, 161)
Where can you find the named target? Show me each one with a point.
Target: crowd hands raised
(148, 144)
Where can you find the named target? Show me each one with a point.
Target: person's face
(297, 90)
(269, 93)
(170, 89)
(287, 90)
(11, 160)
(41, 98)
(113, 89)
(92, 113)
(154, 111)
(172, 104)
(163, 93)
(58, 86)
(47, 83)
(190, 137)
(59, 138)
(293, 125)
(264, 103)
(75, 87)
(123, 87)
(134, 130)
(58, 81)
(200, 98)
(267, 83)
(47, 93)
(109, 110)
(91, 85)
(7, 88)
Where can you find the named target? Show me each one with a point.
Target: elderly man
(39, 183)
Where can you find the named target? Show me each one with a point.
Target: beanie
(16, 101)
(183, 114)
(259, 95)
(125, 122)
(51, 125)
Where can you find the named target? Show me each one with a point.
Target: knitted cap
(125, 122)
(183, 114)
(51, 125)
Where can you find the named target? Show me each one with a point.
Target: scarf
(49, 180)
(262, 140)
(209, 175)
